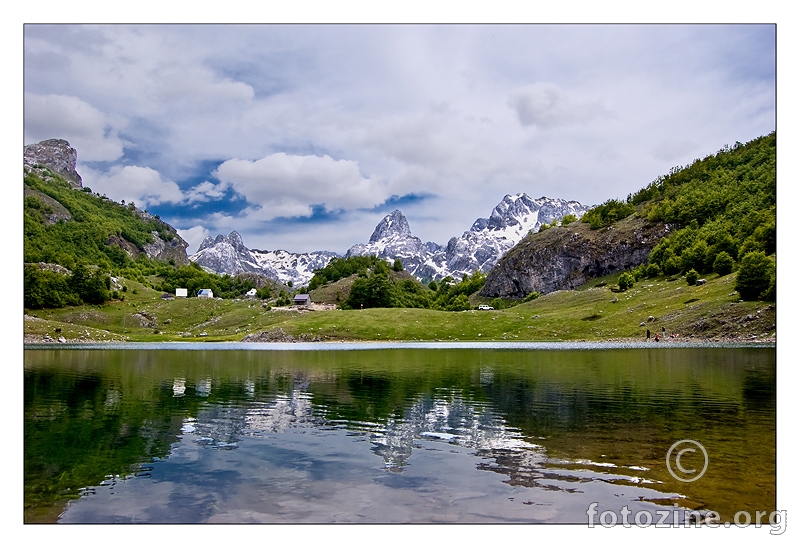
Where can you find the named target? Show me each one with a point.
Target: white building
(181, 292)
(205, 294)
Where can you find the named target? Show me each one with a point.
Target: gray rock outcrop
(55, 154)
(566, 257)
(59, 157)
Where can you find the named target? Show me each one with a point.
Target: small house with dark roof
(205, 294)
(302, 299)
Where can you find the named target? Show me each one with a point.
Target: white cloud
(347, 116)
(141, 185)
(206, 191)
(287, 185)
(546, 105)
(414, 140)
(92, 133)
(194, 236)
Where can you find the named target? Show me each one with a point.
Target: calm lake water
(372, 434)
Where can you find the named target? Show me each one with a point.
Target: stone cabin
(302, 299)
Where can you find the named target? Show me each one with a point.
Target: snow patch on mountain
(229, 255)
(392, 239)
(511, 220)
(295, 267)
(479, 248)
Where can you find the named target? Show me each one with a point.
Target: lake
(405, 433)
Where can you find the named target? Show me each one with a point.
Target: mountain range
(478, 248)
(228, 255)
(136, 232)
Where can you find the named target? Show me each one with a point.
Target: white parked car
(485, 307)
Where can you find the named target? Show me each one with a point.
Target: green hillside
(716, 215)
(720, 210)
(95, 239)
(69, 226)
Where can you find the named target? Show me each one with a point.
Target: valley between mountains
(545, 269)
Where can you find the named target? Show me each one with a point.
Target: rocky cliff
(171, 249)
(56, 154)
(566, 257)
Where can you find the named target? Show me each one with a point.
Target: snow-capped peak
(394, 224)
(479, 248)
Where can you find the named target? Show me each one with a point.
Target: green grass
(588, 314)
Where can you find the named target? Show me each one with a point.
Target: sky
(302, 137)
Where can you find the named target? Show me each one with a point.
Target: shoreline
(342, 344)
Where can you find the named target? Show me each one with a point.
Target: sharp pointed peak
(395, 223)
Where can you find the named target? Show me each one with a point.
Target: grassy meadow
(594, 312)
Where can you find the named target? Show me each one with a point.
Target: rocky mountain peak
(208, 241)
(235, 240)
(229, 255)
(477, 249)
(56, 154)
(394, 224)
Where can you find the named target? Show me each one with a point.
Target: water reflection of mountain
(93, 413)
(449, 417)
(445, 416)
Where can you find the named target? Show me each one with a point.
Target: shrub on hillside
(531, 296)
(283, 299)
(692, 276)
(694, 257)
(626, 281)
(723, 263)
(447, 292)
(652, 270)
(339, 268)
(46, 289)
(264, 293)
(93, 288)
(461, 302)
(376, 291)
(671, 266)
(754, 276)
(568, 219)
(607, 213)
